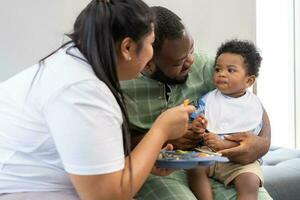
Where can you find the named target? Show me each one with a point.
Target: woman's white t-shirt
(68, 122)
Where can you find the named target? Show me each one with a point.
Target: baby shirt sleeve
(200, 108)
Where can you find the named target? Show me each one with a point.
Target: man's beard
(160, 76)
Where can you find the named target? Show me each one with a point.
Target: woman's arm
(116, 185)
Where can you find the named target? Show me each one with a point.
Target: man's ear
(126, 48)
(149, 68)
(250, 80)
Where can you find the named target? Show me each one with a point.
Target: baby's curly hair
(247, 50)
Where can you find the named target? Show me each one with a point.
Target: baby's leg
(247, 185)
(199, 183)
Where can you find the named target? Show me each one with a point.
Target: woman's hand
(173, 123)
(163, 171)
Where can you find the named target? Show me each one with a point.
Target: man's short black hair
(168, 26)
(247, 50)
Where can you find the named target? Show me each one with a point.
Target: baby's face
(230, 75)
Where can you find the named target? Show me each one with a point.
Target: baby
(229, 109)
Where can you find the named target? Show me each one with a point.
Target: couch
(281, 169)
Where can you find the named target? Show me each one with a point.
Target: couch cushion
(281, 169)
(277, 155)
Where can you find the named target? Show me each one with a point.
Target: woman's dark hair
(247, 50)
(97, 29)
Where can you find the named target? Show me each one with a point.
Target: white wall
(297, 71)
(213, 21)
(31, 29)
(278, 38)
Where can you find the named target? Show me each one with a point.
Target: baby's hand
(213, 141)
(199, 124)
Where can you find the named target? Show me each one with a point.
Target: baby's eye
(217, 69)
(231, 70)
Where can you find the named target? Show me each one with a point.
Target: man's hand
(250, 149)
(188, 141)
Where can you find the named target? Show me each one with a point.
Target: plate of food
(180, 159)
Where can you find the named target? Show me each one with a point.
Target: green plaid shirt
(145, 98)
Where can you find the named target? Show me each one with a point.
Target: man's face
(174, 60)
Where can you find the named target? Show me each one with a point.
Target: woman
(63, 124)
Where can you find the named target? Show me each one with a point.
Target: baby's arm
(199, 125)
(211, 140)
(216, 143)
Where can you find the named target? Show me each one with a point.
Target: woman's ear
(250, 80)
(126, 48)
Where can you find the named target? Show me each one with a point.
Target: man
(174, 74)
